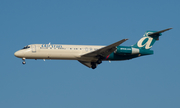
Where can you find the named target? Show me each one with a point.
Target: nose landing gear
(24, 62)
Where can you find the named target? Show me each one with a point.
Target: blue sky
(149, 81)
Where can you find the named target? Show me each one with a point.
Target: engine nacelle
(123, 50)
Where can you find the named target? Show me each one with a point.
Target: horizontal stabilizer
(159, 32)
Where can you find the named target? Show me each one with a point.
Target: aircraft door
(33, 47)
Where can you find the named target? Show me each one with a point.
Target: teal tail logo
(148, 39)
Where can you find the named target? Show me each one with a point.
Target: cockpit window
(26, 47)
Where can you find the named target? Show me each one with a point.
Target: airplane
(91, 55)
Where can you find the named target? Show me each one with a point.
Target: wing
(86, 63)
(105, 51)
(91, 59)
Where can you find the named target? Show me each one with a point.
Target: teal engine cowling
(126, 50)
(129, 50)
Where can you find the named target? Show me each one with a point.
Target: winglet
(158, 33)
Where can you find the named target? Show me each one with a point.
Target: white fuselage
(55, 51)
(91, 55)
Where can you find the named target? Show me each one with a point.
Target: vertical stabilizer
(148, 39)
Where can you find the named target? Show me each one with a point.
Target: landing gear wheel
(99, 61)
(93, 65)
(23, 62)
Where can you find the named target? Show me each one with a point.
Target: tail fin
(148, 39)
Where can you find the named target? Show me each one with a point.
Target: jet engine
(123, 50)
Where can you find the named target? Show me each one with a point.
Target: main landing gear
(94, 64)
(24, 62)
(99, 61)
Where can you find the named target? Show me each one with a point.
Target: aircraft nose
(19, 54)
